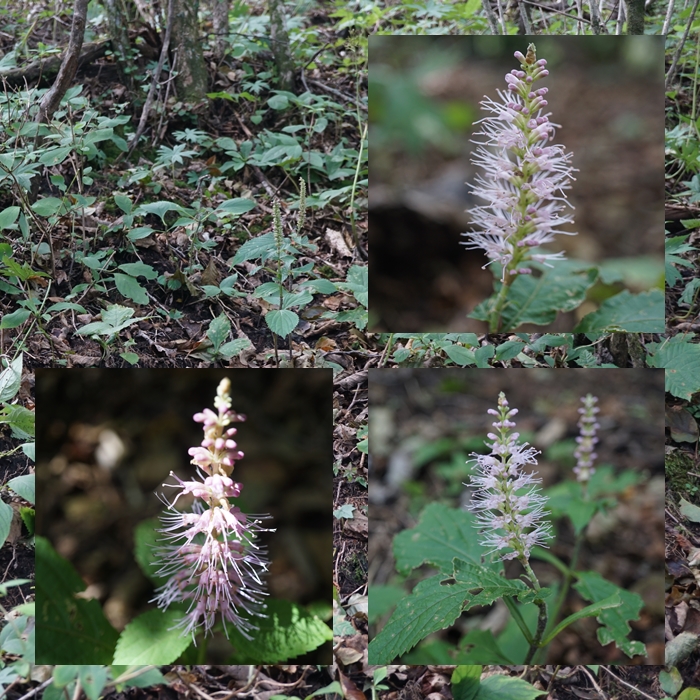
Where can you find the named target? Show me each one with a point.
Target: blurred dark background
(424, 93)
(108, 439)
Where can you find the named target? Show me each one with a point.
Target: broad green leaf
(129, 287)
(382, 599)
(675, 246)
(16, 318)
(436, 603)
(235, 207)
(234, 347)
(441, 534)
(483, 354)
(632, 313)
(54, 156)
(615, 628)
(139, 268)
(537, 299)
(688, 510)
(48, 206)
(24, 486)
(612, 601)
(481, 647)
(145, 679)
(287, 632)
(28, 448)
(321, 286)
(671, 682)
(147, 639)
(64, 674)
(93, 679)
(281, 321)
(5, 520)
(499, 686)
(681, 360)
(465, 682)
(278, 102)
(10, 379)
(218, 330)
(460, 355)
(8, 217)
(136, 234)
(690, 694)
(158, 208)
(357, 283)
(145, 538)
(73, 629)
(20, 420)
(123, 202)
(259, 247)
(509, 350)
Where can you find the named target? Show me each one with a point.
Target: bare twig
(592, 679)
(156, 77)
(627, 685)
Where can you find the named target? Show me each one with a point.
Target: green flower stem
(541, 618)
(511, 605)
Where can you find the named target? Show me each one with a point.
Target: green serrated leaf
(158, 208)
(481, 647)
(435, 604)
(286, 632)
(441, 534)
(72, 629)
(466, 681)
(148, 639)
(93, 679)
(218, 330)
(235, 207)
(615, 628)
(259, 247)
(538, 299)
(499, 686)
(281, 321)
(28, 517)
(632, 313)
(24, 486)
(460, 355)
(129, 287)
(681, 360)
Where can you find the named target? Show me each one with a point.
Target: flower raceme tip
(210, 555)
(524, 178)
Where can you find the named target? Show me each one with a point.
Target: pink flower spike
(509, 520)
(210, 556)
(524, 182)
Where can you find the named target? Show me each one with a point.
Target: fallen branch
(50, 65)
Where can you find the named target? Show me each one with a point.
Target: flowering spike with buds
(510, 521)
(587, 439)
(211, 558)
(524, 178)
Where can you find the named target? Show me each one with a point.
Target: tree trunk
(219, 18)
(280, 46)
(52, 98)
(635, 16)
(188, 59)
(118, 24)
